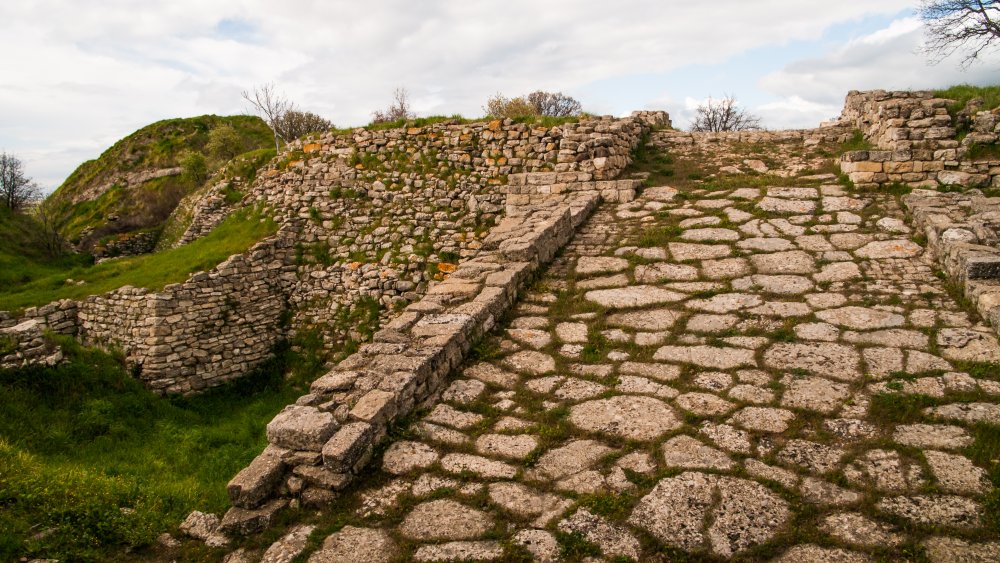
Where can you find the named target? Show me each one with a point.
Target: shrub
(398, 110)
(501, 107)
(723, 115)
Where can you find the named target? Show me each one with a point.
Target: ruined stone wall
(379, 214)
(915, 142)
(963, 237)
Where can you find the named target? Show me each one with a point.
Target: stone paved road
(770, 370)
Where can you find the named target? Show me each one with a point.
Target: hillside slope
(24, 254)
(136, 184)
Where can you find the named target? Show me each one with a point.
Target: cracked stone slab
(478, 465)
(526, 502)
(686, 452)
(530, 361)
(934, 510)
(882, 249)
(815, 394)
(566, 460)
(791, 262)
(518, 446)
(444, 520)
(403, 457)
(676, 510)
(460, 551)
(855, 528)
(763, 419)
(957, 474)
(590, 265)
(683, 251)
(614, 540)
(938, 436)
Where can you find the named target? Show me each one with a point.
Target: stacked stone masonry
(361, 215)
(915, 143)
(963, 236)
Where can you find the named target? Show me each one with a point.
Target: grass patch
(153, 271)
(856, 142)
(24, 256)
(93, 465)
(898, 408)
(962, 93)
(658, 236)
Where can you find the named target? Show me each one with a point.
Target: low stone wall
(916, 143)
(963, 236)
(354, 210)
(27, 343)
(128, 244)
(318, 445)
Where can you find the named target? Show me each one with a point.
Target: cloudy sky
(77, 76)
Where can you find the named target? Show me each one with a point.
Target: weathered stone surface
(571, 458)
(818, 458)
(614, 541)
(356, 545)
(704, 404)
(589, 265)
(444, 520)
(403, 457)
(526, 502)
(938, 436)
(791, 262)
(243, 521)
(529, 361)
(630, 417)
(514, 447)
(762, 419)
(882, 249)
(633, 296)
(289, 546)
(676, 510)
(707, 356)
(650, 319)
(301, 428)
(934, 510)
(541, 544)
(463, 391)
(450, 416)
(967, 412)
(815, 554)
(858, 529)
(815, 394)
(204, 527)
(481, 466)
(946, 550)
(957, 474)
(257, 481)
(827, 359)
(688, 453)
(861, 318)
(460, 551)
(682, 251)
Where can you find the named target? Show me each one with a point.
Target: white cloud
(88, 73)
(889, 59)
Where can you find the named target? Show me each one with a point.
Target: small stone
(707, 356)
(934, 510)
(655, 319)
(634, 296)
(530, 337)
(579, 389)
(541, 544)
(688, 453)
(762, 419)
(353, 545)
(481, 466)
(403, 457)
(882, 249)
(614, 541)
(571, 458)
(815, 394)
(861, 318)
(572, 332)
(818, 458)
(529, 361)
(967, 412)
(589, 265)
(704, 404)
(792, 262)
(289, 546)
(826, 358)
(514, 447)
(851, 527)
(463, 391)
(526, 502)
(460, 551)
(449, 416)
(957, 474)
(444, 520)
(818, 491)
(939, 436)
(492, 375)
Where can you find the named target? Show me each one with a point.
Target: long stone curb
(962, 235)
(318, 445)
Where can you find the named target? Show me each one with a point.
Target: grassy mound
(92, 195)
(48, 281)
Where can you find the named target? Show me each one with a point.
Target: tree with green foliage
(224, 143)
(968, 26)
(193, 166)
(556, 104)
(295, 123)
(17, 190)
(502, 107)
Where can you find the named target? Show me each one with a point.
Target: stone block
(349, 446)
(323, 477)
(301, 428)
(257, 481)
(376, 406)
(245, 521)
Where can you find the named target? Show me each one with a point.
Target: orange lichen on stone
(446, 267)
(311, 147)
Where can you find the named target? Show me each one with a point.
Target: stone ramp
(766, 372)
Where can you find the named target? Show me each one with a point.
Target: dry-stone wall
(915, 141)
(320, 443)
(963, 235)
(382, 215)
(128, 244)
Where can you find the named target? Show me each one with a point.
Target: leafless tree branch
(969, 26)
(723, 115)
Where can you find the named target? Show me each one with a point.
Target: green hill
(136, 184)
(25, 255)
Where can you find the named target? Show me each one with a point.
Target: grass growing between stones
(93, 466)
(152, 271)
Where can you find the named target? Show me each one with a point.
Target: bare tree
(271, 107)
(723, 115)
(294, 123)
(554, 104)
(51, 240)
(17, 190)
(970, 26)
(398, 109)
